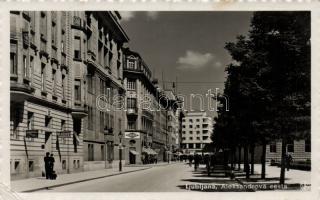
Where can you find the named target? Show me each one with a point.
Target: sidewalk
(39, 183)
(294, 179)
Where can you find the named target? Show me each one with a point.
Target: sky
(186, 46)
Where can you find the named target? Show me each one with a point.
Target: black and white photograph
(160, 101)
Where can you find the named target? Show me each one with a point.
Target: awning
(134, 152)
(149, 151)
(152, 152)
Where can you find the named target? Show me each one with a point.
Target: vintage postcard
(204, 100)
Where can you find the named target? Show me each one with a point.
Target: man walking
(47, 165)
(51, 165)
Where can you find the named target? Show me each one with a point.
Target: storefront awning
(152, 152)
(134, 152)
(149, 151)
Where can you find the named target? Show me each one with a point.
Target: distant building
(197, 128)
(300, 150)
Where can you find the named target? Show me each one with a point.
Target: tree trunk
(246, 161)
(239, 158)
(263, 160)
(252, 159)
(283, 160)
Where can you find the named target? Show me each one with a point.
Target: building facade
(104, 125)
(47, 93)
(300, 150)
(197, 128)
(60, 62)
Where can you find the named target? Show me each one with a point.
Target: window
(43, 25)
(190, 120)
(205, 131)
(25, 66)
(198, 126)
(30, 121)
(190, 138)
(190, 132)
(54, 83)
(183, 126)
(63, 39)
(131, 125)
(205, 137)
(183, 132)
(63, 86)
(198, 146)
(16, 166)
(190, 146)
(307, 145)
(77, 48)
(54, 34)
(63, 125)
(198, 132)
(90, 152)
(183, 138)
(102, 152)
(198, 120)
(43, 76)
(131, 64)
(105, 56)
(64, 164)
(131, 103)
(13, 58)
(290, 146)
(169, 118)
(31, 166)
(183, 120)
(131, 84)
(77, 90)
(31, 66)
(190, 126)
(198, 138)
(273, 147)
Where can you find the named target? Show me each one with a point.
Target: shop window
(290, 146)
(273, 147)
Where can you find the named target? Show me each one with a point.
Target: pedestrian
(207, 162)
(288, 161)
(53, 174)
(196, 162)
(47, 165)
(190, 160)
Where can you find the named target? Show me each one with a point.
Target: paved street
(170, 178)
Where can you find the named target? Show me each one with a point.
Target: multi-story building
(104, 124)
(196, 131)
(151, 119)
(140, 98)
(47, 92)
(60, 62)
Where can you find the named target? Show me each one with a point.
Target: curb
(84, 180)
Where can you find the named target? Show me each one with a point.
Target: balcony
(79, 111)
(20, 92)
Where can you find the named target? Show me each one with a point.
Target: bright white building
(197, 128)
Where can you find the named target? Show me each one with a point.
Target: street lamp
(120, 151)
